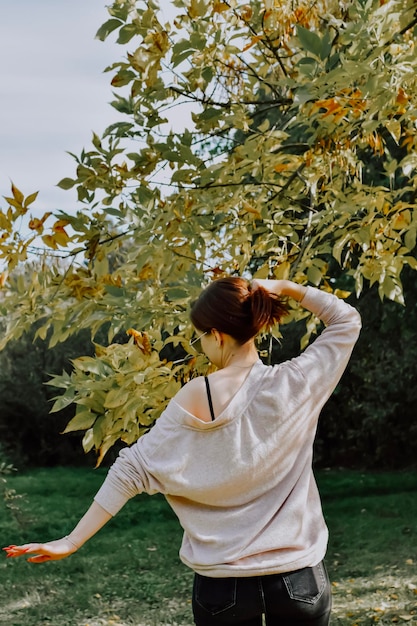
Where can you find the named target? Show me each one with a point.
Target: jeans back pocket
(308, 584)
(214, 595)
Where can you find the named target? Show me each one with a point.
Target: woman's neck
(240, 356)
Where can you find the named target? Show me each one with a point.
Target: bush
(369, 422)
(30, 435)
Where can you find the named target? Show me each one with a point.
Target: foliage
(11, 500)
(369, 421)
(297, 158)
(28, 433)
(119, 394)
(5, 470)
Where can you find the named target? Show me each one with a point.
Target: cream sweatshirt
(242, 486)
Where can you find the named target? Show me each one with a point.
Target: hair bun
(231, 306)
(268, 308)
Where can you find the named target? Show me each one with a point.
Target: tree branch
(228, 105)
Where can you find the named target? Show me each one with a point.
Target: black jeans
(300, 598)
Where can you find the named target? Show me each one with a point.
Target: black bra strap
(209, 398)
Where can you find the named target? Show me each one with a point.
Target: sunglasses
(195, 344)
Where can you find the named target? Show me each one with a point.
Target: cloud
(53, 93)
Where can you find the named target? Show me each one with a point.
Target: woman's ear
(218, 336)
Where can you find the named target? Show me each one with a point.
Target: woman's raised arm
(281, 288)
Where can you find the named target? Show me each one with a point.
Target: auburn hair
(231, 306)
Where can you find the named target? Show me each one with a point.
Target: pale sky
(53, 93)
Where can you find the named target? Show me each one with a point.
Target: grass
(130, 574)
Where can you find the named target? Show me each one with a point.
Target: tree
(298, 159)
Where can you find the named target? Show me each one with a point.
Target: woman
(232, 453)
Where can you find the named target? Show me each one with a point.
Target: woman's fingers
(13, 551)
(51, 551)
(40, 558)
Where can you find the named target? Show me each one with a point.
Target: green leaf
(122, 78)
(177, 293)
(303, 94)
(66, 183)
(31, 198)
(410, 238)
(180, 51)
(126, 33)
(62, 402)
(107, 28)
(88, 440)
(411, 261)
(339, 246)
(117, 292)
(314, 275)
(119, 10)
(89, 364)
(391, 289)
(326, 45)
(82, 421)
(309, 41)
(116, 397)
(307, 66)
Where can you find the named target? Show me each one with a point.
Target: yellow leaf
(197, 8)
(340, 293)
(402, 97)
(246, 13)
(394, 128)
(282, 270)
(262, 272)
(141, 340)
(401, 220)
(59, 224)
(60, 235)
(281, 167)
(88, 440)
(18, 195)
(252, 42)
(5, 223)
(31, 198)
(146, 272)
(3, 278)
(250, 209)
(37, 224)
(219, 7)
(105, 447)
(49, 240)
(159, 40)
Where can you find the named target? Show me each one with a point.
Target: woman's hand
(51, 551)
(89, 524)
(273, 286)
(281, 288)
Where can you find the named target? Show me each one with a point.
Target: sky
(53, 94)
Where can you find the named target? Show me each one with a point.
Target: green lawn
(130, 574)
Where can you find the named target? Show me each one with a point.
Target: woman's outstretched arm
(94, 519)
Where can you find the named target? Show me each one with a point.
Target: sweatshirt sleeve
(324, 361)
(131, 473)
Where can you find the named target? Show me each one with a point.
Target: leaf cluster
(119, 392)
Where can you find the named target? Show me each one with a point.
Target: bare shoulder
(190, 393)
